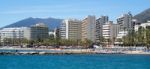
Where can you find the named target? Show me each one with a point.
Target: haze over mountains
(54, 23)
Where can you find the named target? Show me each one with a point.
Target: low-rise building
(14, 33)
(35, 32)
(144, 25)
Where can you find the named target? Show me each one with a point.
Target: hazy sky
(15, 10)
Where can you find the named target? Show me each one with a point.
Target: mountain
(143, 16)
(50, 22)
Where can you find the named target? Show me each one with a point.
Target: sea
(75, 61)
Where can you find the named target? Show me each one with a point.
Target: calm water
(75, 62)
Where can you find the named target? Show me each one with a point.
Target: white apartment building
(38, 31)
(111, 31)
(18, 33)
(71, 29)
(121, 34)
(108, 30)
(136, 27)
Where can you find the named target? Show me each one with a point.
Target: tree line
(137, 38)
(50, 41)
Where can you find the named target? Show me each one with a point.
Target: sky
(14, 10)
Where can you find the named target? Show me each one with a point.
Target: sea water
(80, 61)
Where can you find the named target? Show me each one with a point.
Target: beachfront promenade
(104, 50)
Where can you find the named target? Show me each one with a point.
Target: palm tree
(87, 42)
(102, 39)
(148, 36)
(141, 35)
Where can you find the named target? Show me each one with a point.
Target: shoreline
(3, 54)
(38, 51)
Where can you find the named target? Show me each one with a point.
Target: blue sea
(83, 61)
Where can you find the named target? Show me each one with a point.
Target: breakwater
(34, 51)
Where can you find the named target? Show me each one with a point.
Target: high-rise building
(125, 22)
(89, 28)
(126, 25)
(39, 32)
(99, 22)
(98, 30)
(71, 29)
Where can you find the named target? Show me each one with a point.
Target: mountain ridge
(144, 16)
(52, 23)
